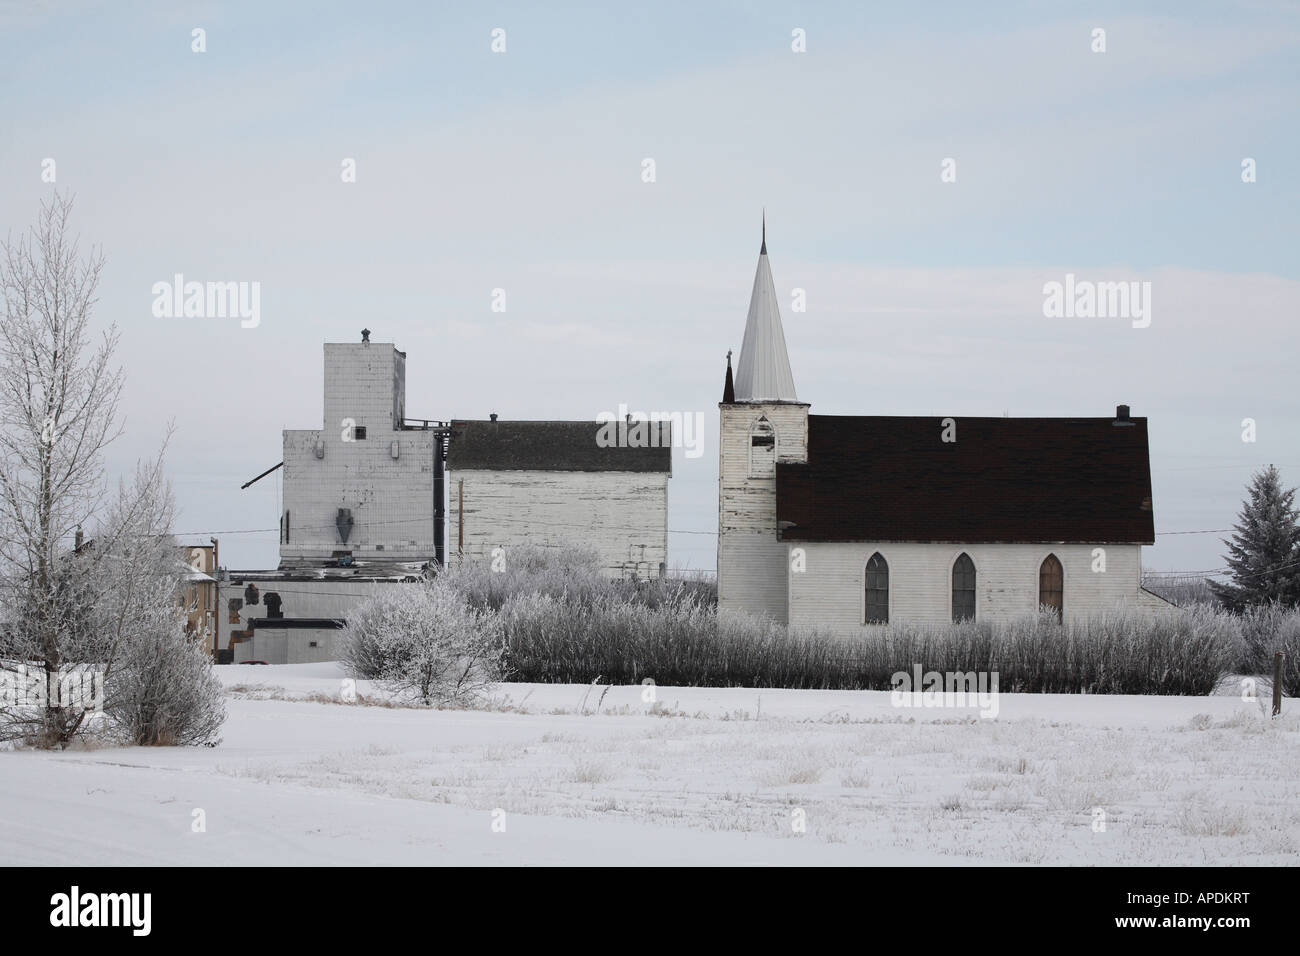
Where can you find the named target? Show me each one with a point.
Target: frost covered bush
(1265, 630)
(163, 690)
(425, 643)
(113, 609)
(568, 572)
(571, 573)
(685, 643)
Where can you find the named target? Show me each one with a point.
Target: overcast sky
(523, 171)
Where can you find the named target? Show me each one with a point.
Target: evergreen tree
(1264, 552)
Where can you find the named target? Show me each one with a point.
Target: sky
(925, 169)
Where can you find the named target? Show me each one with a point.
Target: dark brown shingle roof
(1083, 480)
(552, 446)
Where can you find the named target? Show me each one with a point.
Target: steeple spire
(728, 385)
(763, 372)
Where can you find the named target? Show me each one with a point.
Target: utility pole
(216, 600)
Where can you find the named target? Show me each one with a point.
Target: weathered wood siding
(623, 515)
(391, 499)
(752, 561)
(832, 591)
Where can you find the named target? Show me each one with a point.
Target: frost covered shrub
(424, 643)
(163, 690)
(676, 641)
(569, 572)
(1265, 630)
(114, 612)
(683, 642)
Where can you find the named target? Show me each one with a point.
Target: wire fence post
(1277, 684)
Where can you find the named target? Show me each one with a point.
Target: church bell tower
(762, 423)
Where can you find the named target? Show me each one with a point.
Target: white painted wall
(622, 514)
(832, 591)
(752, 561)
(282, 645)
(391, 499)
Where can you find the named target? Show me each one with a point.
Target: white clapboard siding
(751, 558)
(831, 592)
(622, 515)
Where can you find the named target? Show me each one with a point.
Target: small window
(877, 590)
(963, 589)
(359, 433)
(1051, 586)
(762, 449)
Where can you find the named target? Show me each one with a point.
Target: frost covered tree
(423, 642)
(69, 603)
(160, 686)
(1264, 551)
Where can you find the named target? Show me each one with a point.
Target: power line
(549, 524)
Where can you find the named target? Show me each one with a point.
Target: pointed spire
(763, 372)
(728, 386)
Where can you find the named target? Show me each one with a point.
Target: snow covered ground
(567, 774)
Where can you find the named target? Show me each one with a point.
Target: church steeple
(763, 373)
(728, 386)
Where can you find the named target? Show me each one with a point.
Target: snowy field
(566, 774)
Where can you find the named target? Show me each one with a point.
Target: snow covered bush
(163, 690)
(426, 644)
(1265, 630)
(115, 614)
(568, 572)
(684, 643)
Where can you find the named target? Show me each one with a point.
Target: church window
(963, 589)
(877, 590)
(762, 449)
(1051, 585)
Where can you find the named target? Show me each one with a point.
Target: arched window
(877, 590)
(762, 449)
(963, 589)
(1051, 585)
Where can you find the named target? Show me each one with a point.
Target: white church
(850, 521)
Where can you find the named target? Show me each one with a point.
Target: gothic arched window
(963, 589)
(1051, 585)
(877, 590)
